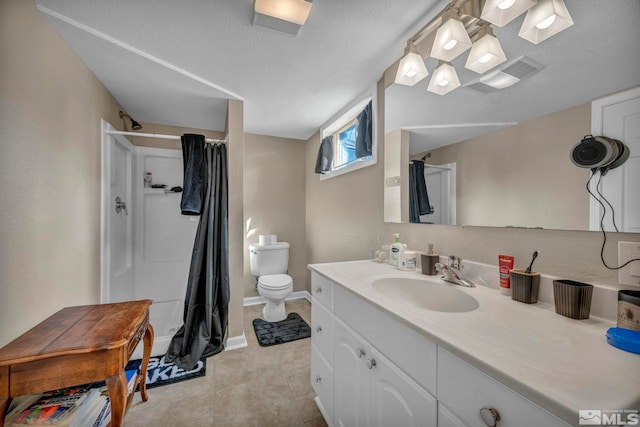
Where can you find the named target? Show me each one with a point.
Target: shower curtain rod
(427, 165)
(159, 135)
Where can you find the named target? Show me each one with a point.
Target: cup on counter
(629, 309)
(572, 299)
(382, 255)
(524, 286)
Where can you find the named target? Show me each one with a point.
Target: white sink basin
(425, 295)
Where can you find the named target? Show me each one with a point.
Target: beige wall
(274, 201)
(344, 214)
(50, 111)
(528, 179)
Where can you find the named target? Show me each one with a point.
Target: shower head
(134, 125)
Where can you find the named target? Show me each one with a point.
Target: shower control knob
(490, 416)
(371, 363)
(319, 329)
(361, 352)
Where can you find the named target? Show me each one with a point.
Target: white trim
(323, 411)
(597, 122)
(257, 300)
(236, 343)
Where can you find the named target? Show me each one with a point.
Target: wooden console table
(79, 345)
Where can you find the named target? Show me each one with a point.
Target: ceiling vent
(506, 76)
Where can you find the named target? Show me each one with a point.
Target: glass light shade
(485, 54)
(444, 79)
(450, 41)
(411, 68)
(544, 20)
(501, 12)
(296, 11)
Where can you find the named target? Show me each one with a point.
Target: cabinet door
(395, 399)
(351, 378)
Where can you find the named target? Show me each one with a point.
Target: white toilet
(270, 263)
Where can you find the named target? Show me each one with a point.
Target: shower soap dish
(624, 339)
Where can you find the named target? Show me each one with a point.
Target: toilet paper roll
(267, 239)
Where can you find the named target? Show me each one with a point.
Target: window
(344, 146)
(348, 142)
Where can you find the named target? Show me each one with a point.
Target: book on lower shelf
(78, 406)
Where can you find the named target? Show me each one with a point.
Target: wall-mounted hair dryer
(599, 153)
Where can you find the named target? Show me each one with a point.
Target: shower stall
(146, 241)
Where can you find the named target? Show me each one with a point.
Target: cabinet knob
(318, 379)
(490, 416)
(371, 363)
(319, 329)
(360, 352)
(319, 290)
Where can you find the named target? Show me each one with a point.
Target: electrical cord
(604, 212)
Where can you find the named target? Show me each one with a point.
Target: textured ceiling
(177, 63)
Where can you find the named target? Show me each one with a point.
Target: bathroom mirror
(503, 154)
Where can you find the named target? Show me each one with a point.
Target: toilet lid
(275, 281)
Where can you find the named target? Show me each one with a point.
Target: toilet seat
(275, 282)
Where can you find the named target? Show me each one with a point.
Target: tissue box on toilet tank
(572, 299)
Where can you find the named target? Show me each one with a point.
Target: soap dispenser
(429, 261)
(395, 250)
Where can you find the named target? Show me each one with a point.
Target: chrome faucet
(453, 272)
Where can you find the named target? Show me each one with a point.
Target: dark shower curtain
(207, 298)
(418, 197)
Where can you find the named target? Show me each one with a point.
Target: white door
(618, 116)
(441, 188)
(395, 399)
(117, 218)
(351, 378)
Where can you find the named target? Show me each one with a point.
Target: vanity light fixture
(451, 38)
(486, 53)
(501, 12)
(444, 79)
(411, 68)
(544, 20)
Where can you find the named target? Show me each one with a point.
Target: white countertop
(561, 364)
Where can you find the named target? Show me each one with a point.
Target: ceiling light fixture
(501, 12)
(465, 24)
(544, 20)
(286, 16)
(486, 53)
(411, 68)
(295, 11)
(444, 79)
(451, 38)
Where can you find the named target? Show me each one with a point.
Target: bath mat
(290, 329)
(160, 373)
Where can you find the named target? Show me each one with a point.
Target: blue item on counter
(625, 339)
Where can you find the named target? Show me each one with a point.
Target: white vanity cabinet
(371, 369)
(465, 391)
(322, 343)
(369, 390)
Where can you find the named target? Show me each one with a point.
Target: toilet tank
(269, 259)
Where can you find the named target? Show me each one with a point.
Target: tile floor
(252, 386)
